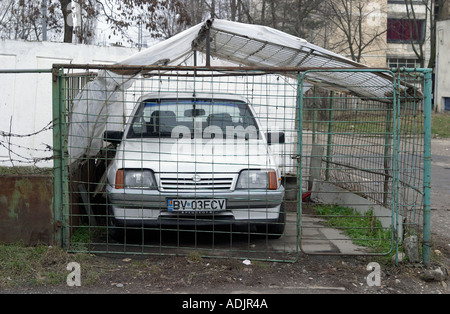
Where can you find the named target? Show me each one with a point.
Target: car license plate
(196, 205)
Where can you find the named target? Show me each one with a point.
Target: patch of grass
(194, 257)
(39, 266)
(80, 239)
(440, 125)
(365, 230)
(20, 265)
(368, 124)
(83, 235)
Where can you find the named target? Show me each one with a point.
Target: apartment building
(384, 33)
(408, 33)
(442, 70)
(396, 33)
(378, 33)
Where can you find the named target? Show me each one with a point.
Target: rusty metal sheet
(26, 209)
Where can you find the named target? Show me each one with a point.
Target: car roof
(186, 95)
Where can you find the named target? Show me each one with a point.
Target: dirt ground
(310, 274)
(193, 274)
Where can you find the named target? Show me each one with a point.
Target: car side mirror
(275, 138)
(114, 137)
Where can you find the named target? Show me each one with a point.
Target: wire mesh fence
(245, 162)
(189, 161)
(366, 164)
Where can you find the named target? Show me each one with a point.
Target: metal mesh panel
(186, 167)
(186, 164)
(365, 164)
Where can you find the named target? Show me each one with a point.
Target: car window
(205, 118)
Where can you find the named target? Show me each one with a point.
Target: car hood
(196, 155)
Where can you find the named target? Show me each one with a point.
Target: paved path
(440, 187)
(318, 239)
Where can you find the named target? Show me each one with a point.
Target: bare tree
(76, 20)
(161, 18)
(419, 37)
(354, 33)
(301, 17)
(21, 19)
(68, 27)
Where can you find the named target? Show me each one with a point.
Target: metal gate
(179, 160)
(236, 162)
(364, 161)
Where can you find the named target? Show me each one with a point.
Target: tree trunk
(213, 9)
(68, 26)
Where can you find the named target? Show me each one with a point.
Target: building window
(402, 63)
(446, 103)
(405, 30)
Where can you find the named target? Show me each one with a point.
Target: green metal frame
(60, 171)
(303, 79)
(426, 249)
(391, 149)
(61, 185)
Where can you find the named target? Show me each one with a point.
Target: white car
(195, 160)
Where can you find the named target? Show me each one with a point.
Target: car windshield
(181, 118)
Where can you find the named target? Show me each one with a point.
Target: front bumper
(132, 207)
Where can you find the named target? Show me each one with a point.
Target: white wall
(26, 99)
(442, 78)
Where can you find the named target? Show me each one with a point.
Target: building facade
(408, 35)
(378, 33)
(442, 70)
(395, 33)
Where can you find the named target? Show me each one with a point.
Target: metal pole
(314, 116)
(395, 166)
(208, 47)
(329, 137)
(44, 20)
(387, 154)
(25, 71)
(427, 169)
(60, 170)
(299, 124)
(57, 159)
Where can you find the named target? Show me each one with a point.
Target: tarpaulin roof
(262, 46)
(240, 44)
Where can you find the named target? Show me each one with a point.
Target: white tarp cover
(241, 44)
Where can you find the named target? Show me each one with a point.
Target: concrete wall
(26, 99)
(442, 78)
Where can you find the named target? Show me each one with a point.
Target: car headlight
(132, 178)
(257, 179)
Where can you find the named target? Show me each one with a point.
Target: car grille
(195, 182)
